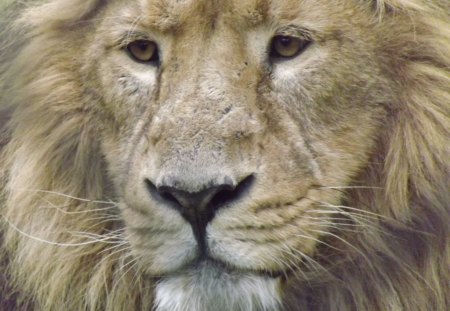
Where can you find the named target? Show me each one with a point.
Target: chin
(210, 285)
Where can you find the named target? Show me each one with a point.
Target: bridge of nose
(207, 105)
(204, 75)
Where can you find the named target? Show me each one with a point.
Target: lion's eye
(144, 51)
(287, 46)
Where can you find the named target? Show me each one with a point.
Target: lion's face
(246, 155)
(229, 123)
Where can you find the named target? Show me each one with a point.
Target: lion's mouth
(207, 263)
(195, 241)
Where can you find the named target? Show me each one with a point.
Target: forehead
(173, 14)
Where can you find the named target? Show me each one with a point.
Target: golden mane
(51, 158)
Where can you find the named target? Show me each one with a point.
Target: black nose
(199, 208)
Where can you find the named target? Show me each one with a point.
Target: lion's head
(226, 155)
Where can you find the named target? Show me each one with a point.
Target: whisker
(339, 207)
(350, 187)
(117, 249)
(102, 240)
(288, 262)
(319, 268)
(359, 222)
(296, 258)
(335, 221)
(60, 209)
(314, 239)
(345, 242)
(375, 215)
(104, 218)
(96, 236)
(66, 196)
(132, 264)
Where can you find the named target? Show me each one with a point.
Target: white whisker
(66, 196)
(350, 187)
(344, 241)
(102, 240)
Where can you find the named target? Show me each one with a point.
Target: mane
(58, 219)
(63, 246)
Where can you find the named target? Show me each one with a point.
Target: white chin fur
(211, 288)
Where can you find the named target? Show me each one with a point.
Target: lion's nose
(199, 208)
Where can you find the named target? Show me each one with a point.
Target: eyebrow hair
(171, 15)
(167, 15)
(297, 30)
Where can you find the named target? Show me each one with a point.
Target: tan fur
(348, 143)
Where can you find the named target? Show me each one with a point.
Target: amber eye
(143, 51)
(287, 46)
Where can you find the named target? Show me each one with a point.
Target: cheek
(127, 99)
(335, 118)
(127, 91)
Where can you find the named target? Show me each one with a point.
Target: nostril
(166, 194)
(229, 194)
(161, 194)
(219, 195)
(211, 198)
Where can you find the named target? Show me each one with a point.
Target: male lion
(216, 155)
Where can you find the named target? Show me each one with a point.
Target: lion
(225, 155)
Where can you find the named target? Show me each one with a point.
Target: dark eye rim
(154, 60)
(275, 56)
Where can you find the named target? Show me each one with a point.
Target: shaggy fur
(68, 214)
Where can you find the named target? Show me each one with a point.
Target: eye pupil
(285, 41)
(142, 45)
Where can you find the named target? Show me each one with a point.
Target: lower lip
(220, 266)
